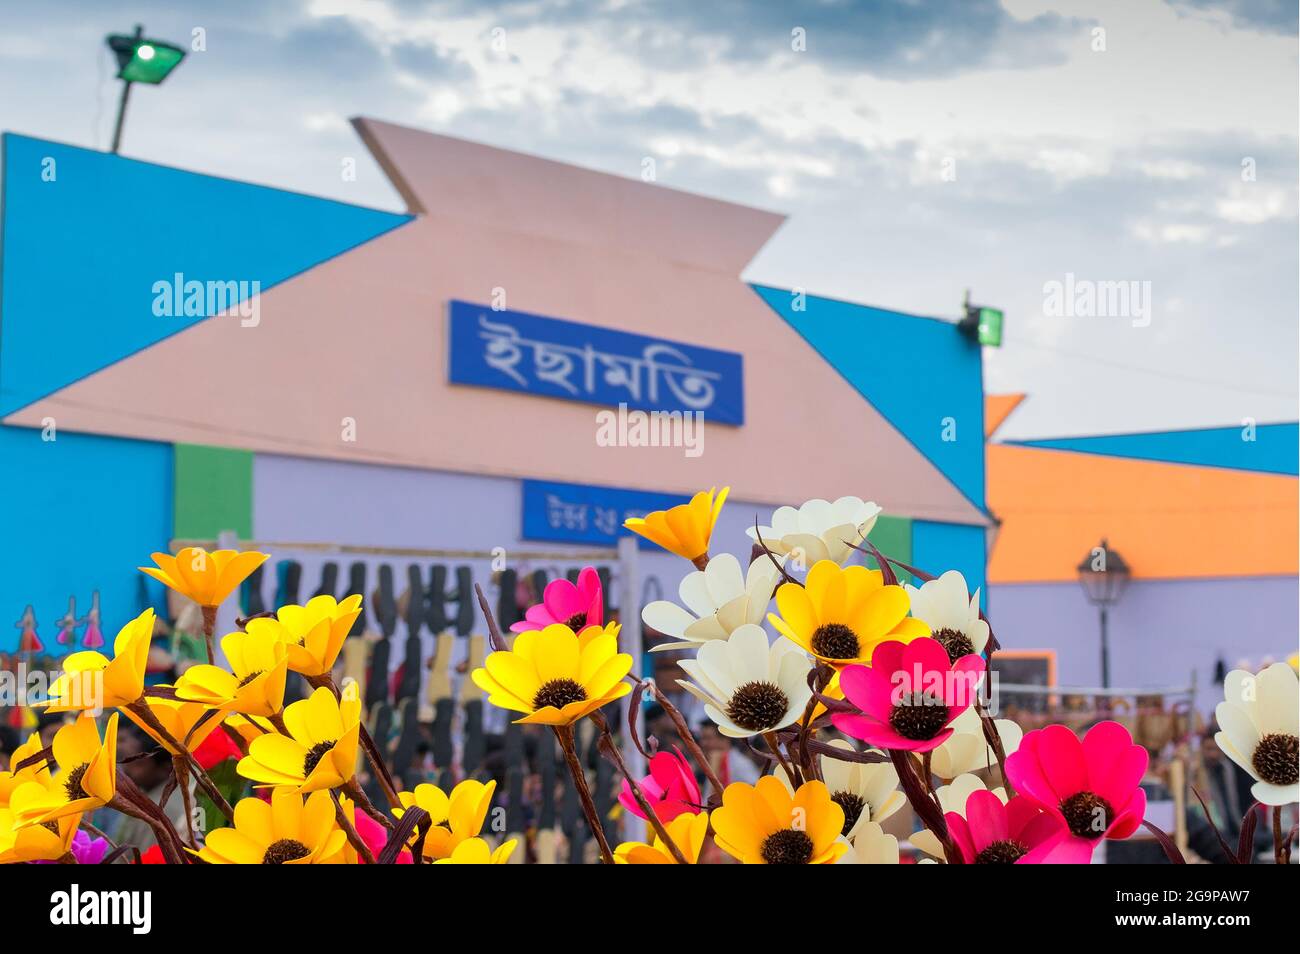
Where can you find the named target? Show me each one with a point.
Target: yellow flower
(87, 777)
(684, 529)
(687, 832)
(556, 677)
(37, 771)
(320, 751)
(764, 824)
(285, 832)
(475, 851)
(189, 723)
(25, 841)
(841, 615)
(453, 819)
(91, 680)
(314, 633)
(256, 687)
(206, 578)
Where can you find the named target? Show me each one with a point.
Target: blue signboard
(517, 351)
(578, 513)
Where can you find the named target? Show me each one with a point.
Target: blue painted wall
(1274, 450)
(87, 235)
(79, 514)
(937, 547)
(920, 373)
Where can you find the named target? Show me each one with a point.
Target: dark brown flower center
(1002, 853)
(853, 805)
(1087, 815)
(835, 641)
(957, 643)
(249, 678)
(286, 849)
(559, 693)
(51, 826)
(313, 757)
(919, 716)
(72, 784)
(576, 622)
(788, 847)
(1277, 759)
(757, 706)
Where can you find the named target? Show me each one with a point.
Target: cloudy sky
(920, 149)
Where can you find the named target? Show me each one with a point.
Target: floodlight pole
(121, 103)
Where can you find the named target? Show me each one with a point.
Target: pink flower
(670, 788)
(1091, 786)
(1019, 832)
(909, 695)
(376, 836)
(576, 606)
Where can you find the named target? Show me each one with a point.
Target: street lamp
(140, 61)
(981, 324)
(1104, 576)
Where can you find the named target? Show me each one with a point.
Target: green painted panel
(892, 536)
(214, 491)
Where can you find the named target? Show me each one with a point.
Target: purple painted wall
(1160, 631)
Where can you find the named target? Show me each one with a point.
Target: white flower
(820, 529)
(719, 599)
(867, 791)
(966, 751)
(748, 687)
(871, 846)
(952, 613)
(1260, 725)
(952, 798)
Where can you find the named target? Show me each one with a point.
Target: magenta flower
(87, 850)
(670, 788)
(1018, 833)
(1091, 786)
(576, 606)
(909, 695)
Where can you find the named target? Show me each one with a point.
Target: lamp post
(140, 61)
(1104, 575)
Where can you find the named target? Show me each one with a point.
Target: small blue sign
(516, 351)
(578, 513)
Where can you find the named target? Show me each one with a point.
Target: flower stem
(795, 777)
(350, 830)
(564, 733)
(373, 754)
(1281, 842)
(922, 803)
(611, 750)
(209, 632)
(994, 741)
(182, 770)
(688, 739)
(146, 715)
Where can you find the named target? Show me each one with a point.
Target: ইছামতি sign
(517, 351)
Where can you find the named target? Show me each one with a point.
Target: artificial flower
(1092, 786)
(92, 681)
(87, 776)
(866, 791)
(819, 530)
(909, 696)
(952, 613)
(684, 529)
(215, 749)
(719, 599)
(687, 832)
(841, 614)
(189, 723)
(747, 686)
(371, 833)
(765, 824)
(84, 849)
(320, 751)
(287, 831)
(670, 788)
(256, 687)
(206, 578)
(966, 750)
(453, 818)
(1016, 832)
(21, 839)
(953, 799)
(476, 851)
(554, 676)
(313, 634)
(38, 770)
(871, 846)
(1259, 725)
(576, 605)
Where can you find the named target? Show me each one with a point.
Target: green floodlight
(983, 325)
(140, 60)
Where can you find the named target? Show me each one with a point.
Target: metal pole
(121, 104)
(629, 617)
(1105, 652)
